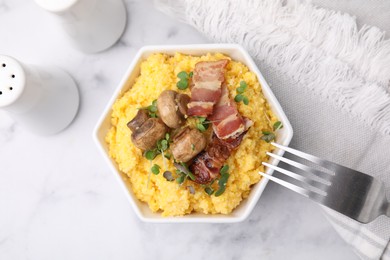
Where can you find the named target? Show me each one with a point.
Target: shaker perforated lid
(56, 5)
(12, 80)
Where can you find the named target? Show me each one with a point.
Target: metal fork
(352, 193)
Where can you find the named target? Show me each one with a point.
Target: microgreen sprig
(183, 172)
(278, 125)
(184, 79)
(155, 169)
(150, 154)
(181, 177)
(269, 136)
(240, 93)
(162, 146)
(202, 124)
(208, 188)
(222, 180)
(152, 109)
(150, 172)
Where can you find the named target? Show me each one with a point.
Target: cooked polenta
(159, 72)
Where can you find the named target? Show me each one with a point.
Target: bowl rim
(206, 48)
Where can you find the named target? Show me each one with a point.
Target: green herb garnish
(181, 178)
(240, 93)
(201, 127)
(202, 124)
(245, 100)
(183, 172)
(278, 125)
(155, 169)
(220, 191)
(224, 169)
(201, 119)
(182, 75)
(193, 147)
(269, 136)
(241, 89)
(150, 154)
(239, 97)
(222, 181)
(184, 78)
(209, 190)
(162, 146)
(191, 175)
(187, 171)
(152, 109)
(182, 84)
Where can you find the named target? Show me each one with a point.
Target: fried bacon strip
(229, 129)
(207, 164)
(226, 120)
(206, 91)
(210, 96)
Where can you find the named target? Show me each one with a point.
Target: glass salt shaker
(43, 99)
(91, 25)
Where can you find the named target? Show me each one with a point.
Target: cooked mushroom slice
(138, 120)
(168, 109)
(182, 101)
(146, 136)
(187, 144)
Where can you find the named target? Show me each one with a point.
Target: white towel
(332, 79)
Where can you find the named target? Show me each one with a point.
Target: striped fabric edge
(366, 244)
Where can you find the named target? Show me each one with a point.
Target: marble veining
(58, 198)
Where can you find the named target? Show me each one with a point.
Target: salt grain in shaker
(43, 99)
(91, 25)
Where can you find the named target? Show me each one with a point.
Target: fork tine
(312, 173)
(298, 177)
(297, 189)
(324, 163)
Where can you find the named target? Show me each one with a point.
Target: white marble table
(58, 199)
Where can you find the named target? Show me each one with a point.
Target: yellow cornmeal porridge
(158, 73)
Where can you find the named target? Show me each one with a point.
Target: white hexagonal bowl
(237, 53)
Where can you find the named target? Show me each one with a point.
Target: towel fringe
(320, 49)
